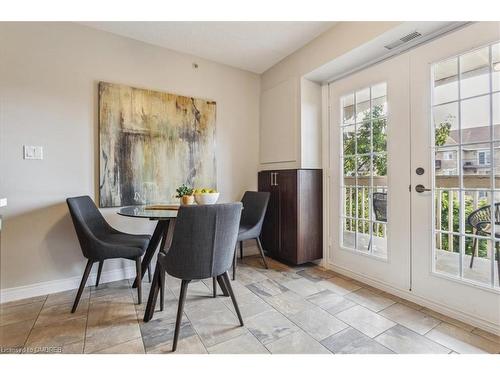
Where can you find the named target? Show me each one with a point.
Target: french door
(369, 173)
(455, 125)
(414, 174)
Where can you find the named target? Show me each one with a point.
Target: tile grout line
(187, 317)
(265, 347)
(279, 312)
(137, 318)
(397, 324)
(34, 322)
(206, 347)
(87, 320)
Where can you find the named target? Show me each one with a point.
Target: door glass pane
(363, 105)
(364, 137)
(477, 262)
(365, 173)
(349, 233)
(349, 198)
(447, 211)
(349, 140)
(496, 165)
(364, 209)
(446, 163)
(495, 52)
(475, 119)
(477, 218)
(495, 100)
(445, 118)
(445, 81)
(379, 100)
(475, 73)
(363, 239)
(447, 255)
(379, 130)
(467, 165)
(476, 166)
(348, 109)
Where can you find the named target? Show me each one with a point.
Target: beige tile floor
(286, 310)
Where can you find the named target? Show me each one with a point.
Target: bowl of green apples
(205, 196)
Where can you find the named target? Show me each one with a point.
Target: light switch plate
(33, 152)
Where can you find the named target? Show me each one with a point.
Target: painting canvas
(152, 142)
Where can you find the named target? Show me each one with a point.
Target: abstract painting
(150, 143)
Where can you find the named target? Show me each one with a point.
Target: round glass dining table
(164, 212)
(165, 216)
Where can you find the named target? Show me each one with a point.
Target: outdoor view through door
(466, 119)
(364, 163)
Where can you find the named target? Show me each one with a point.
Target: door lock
(421, 188)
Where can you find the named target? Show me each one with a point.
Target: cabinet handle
(276, 179)
(272, 179)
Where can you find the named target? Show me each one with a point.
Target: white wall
(48, 96)
(340, 39)
(310, 124)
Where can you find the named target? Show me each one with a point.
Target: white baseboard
(405, 294)
(55, 286)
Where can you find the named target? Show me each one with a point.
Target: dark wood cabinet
(293, 226)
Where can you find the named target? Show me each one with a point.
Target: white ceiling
(253, 46)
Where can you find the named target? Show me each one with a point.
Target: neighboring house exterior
(477, 158)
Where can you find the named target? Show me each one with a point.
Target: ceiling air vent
(403, 40)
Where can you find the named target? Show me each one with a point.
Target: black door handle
(421, 188)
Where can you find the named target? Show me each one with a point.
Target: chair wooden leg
(227, 283)
(241, 249)
(85, 276)
(180, 309)
(234, 265)
(473, 253)
(149, 272)
(261, 252)
(222, 286)
(214, 287)
(99, 270)
(138, 279)
(162, 287)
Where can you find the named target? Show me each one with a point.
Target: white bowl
(206, 198)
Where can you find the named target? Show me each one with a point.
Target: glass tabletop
(150, 212)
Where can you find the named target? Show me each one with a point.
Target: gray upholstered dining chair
(202, 247)
(252, 218)
(99, 241)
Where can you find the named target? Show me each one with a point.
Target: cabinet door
(270, 234)
(310, 222)
(279, 122)
(286, 183)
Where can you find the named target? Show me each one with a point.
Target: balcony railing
(476, 186)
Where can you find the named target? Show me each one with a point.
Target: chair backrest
(254, 208)
(480, 219)
(88, 222)
(380, 206)
(204, 241)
